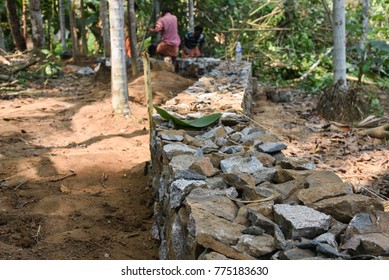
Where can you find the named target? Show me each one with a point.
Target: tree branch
(313, 67)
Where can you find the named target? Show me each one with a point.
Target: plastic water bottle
(238, 52)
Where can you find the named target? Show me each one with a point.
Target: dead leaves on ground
(357, 158)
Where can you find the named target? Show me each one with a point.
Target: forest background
(283, 39)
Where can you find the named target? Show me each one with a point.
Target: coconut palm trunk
(119, 88)
(339, 40)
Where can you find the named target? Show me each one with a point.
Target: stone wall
(228, 191)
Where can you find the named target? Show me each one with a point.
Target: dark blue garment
(190, 41)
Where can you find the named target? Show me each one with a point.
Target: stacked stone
(196, 67)
(228, 192)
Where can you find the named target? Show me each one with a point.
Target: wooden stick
(25, 66)
(258, 29)
(4, 60)
(313, 67)
(63, 177)
(380, 132)
(148, 90)
(104, 178)
(21, 184)
(375, 194)
(38, 233)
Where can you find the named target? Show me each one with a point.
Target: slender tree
(38, 37)
(191, 15)
(339, 40)
(84, 45)
(363, 41)
(73, 28)
(13, 18)
(133, 39)
(105, 27)
(50, 21)
(337, 102)
(24, 18)
(119, 88)
(62, 23)
(2, 42)
(157, 10)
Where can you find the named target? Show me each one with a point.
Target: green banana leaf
(198, 123)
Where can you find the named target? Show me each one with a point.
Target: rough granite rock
(241, 165)
(322, 178)
(297, 163)
(300, 220)
(204, 167)
(172, 150)
(296, 254)
(214, 202)
(315, 194)
(181, 188)
(256, 246)
(344, 208)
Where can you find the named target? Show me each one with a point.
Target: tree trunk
(339, 39)
(62, 23)
(14, 24)
(157, 9)
(133, 40)
(119, 86)
(38, 37)
(50, 23)
(191, 15)
(362, 42)
(84, 49)
(73, 28)
(24, 18)
(105, 25)
(2, 42)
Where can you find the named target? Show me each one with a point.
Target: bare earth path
(72, 175)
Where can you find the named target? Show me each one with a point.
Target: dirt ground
(359, 160)
(73, 182)
(72, 174)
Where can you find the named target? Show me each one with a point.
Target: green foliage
(198, 123)
(375, 107)
(49, 68)
(278, 56)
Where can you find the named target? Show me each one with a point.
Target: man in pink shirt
(170, 40)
